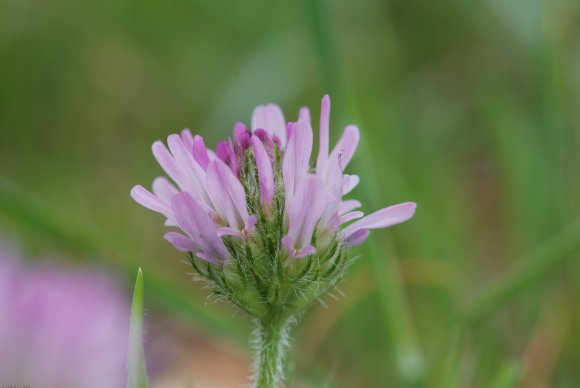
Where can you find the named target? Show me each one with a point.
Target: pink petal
(297, 253)
(239, 130)
(306, 251)
(227, 195)
(243, 142)
(206, 256)
(263, 135)
(226, 153)
(357, 238)
(332, 182)
(349, 182)
(223, 152)
(244, 234)
(187, 138)
(350, 217)
(304, 211)
(288, 243)
(324, 133)
(164, 189)
(242, 136)
(167, 163)
(251, 222)
(186, 210)
(200, 152)
(191, 172)
(290, 129)
(297, 158)
(197, 224)
(265, 173)
(227, 231)
(348, 205)
(304, 114)
(383, 218)
(270, 118)
(212, 155)
(152, 202)
(170, 222)
(346, 146)
(181, 242)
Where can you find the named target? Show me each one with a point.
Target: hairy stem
(271, 339)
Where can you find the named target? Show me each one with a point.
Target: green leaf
(136, 373)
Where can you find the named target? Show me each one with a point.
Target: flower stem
(271, 344)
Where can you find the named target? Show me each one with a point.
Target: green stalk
(271, 344)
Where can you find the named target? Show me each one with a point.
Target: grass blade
(137, 375)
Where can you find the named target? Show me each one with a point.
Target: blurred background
(471, 109)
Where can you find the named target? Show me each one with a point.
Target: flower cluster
(265, 223)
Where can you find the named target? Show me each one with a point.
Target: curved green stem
(270, 343)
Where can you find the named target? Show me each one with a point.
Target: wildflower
(269, 230)
(211, 197)
(60, 328)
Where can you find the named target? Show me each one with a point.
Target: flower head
(259, 208)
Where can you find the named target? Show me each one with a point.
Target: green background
(469, 108)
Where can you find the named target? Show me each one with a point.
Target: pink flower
(60, 328)
(260, 174)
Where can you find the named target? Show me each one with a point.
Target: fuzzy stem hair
(271, 340)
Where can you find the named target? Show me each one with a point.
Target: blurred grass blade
(409, 358)
(35, 214)
(526, 272)
(137, 374)
(410, 361)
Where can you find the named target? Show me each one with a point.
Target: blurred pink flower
(214, 189)
(60, 327)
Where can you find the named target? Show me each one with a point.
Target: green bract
(261, 278)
